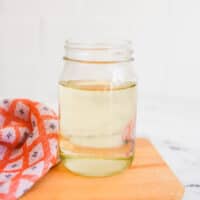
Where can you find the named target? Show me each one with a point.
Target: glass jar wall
(97, 100)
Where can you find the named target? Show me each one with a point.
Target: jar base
(95, 167)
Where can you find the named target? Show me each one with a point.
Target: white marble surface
(173, 126)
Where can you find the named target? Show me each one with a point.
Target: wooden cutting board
(149, 178)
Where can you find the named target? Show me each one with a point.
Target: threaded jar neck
(108, 52)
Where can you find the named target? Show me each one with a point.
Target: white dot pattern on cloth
(51, 126)
(32, 136)
(35, 169)
(5, 104)
(6, 176)
(22, 111)
(14, 165)
(2, 151)
(8, 135)
(53, 146)
(44, 110)
(36, 154)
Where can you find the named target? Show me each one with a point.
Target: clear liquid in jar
(97, 123)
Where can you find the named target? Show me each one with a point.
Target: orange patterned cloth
(28, 145)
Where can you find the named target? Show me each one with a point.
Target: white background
(166, 37)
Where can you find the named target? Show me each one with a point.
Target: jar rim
(98, 45)
(111, 51)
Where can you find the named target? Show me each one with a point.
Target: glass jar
(97, 100)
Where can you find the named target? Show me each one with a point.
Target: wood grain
(149, 178)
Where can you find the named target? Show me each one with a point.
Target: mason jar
(97, 106)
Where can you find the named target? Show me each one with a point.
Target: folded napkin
(28, 145)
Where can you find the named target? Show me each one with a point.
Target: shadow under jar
(97, 100)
